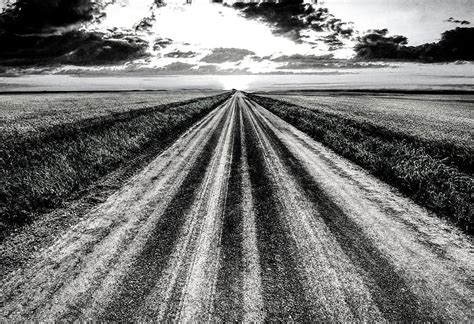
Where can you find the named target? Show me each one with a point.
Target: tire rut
(153, 258)
(196, 262)
(283, 290)
(389, 290)
(228, 302)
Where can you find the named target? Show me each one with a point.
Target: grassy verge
(38, 173)
(417, 167)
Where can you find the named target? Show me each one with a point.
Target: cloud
(454, 45)
(457, 21)
(176, 67)
(161, 43)
(285, 18)
(333, 41)
(339, 64)
(74, 47)
(145, 24)
(208, 69)
(181, 54)
(292, 19)
(46, 32)
(304, 62)
(300, 58)
(35, 16)
(222, 55)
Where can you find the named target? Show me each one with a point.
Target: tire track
(332, 286)
(239, 292)
(153, 257)
(283, 291)
(181, 289)
(253, 304)
(196, 291)
(228, 301)
(389, 291)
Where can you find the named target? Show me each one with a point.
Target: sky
(211, 38)
(202, 25)
(421, 76)
(422, 21)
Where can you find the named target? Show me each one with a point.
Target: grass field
(431, 117)
(28, 115)
(55, 145)
(423, 145)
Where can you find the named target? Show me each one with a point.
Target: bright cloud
(202, 27)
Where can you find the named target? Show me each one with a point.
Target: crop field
(58, 144)
(422, 145)
(431, 117)
(27, 115)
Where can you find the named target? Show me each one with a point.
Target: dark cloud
(257, 58)
(289, 19)
(454, 45)
(300, 58)
(302, 62)
(180, 54)
(208, 69)
(176, 67)
(333, 41)
(145, 24)
(339, 64)
(75, 47)
(284, 17)
(304, 66)
(35, 16)
(222, 55)
(161, 43)
(457, 21)
(45, 32)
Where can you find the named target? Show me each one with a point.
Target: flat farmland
(28, 115)
(432, 117)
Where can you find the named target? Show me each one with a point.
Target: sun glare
(238, 82)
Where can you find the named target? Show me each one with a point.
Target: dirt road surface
(246, 218)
